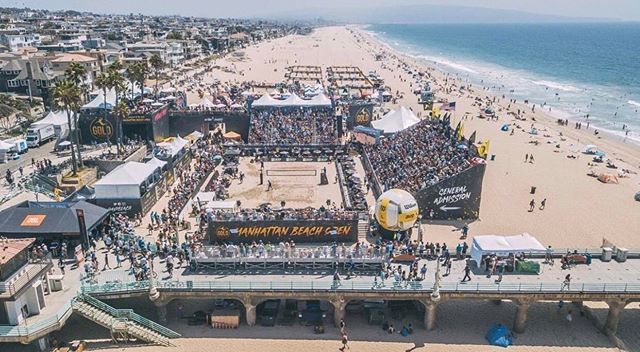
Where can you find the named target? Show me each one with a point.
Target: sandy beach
(581, 212)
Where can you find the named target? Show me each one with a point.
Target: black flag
(472, 138)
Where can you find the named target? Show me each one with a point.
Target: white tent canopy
(5, 146)
(396, 120)
(56, 118)
(504, 245)
(265, 101)
(206, 103)
(294, 100)
(99, 103)
(124, 181)
(319, 100)
(157, 162)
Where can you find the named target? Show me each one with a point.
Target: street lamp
(435, 295)
(153, 291)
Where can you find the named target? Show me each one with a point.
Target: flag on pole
(451, 106)
(436, 111)
(483, 149)
(460, 132)
(472, 138)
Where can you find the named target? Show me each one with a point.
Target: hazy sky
(617, 9)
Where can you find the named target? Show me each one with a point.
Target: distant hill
(427, 14)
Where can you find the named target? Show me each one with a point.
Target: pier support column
(250, 311)
(522, 309)
(162, 313)
(431, 310)
(339, 306)
(613, 317)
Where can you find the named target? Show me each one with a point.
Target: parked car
(312, 314)
(269, 312)
(290, 312)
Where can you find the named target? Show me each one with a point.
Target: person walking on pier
(566, 284)
(467, 270)
(336, 279)
(345, 342)
(548, 256)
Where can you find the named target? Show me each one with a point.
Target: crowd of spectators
(418, 157)
(293, 127)
(354, 194)
(203, 152)
(288, 249)
(268, 213)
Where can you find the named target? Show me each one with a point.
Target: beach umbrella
(505, 127)
(608, 178)
(147, 101)
(157, 104)
(590, 149)
(637, 196)
(170, 97)
(462, 146)
(64, 144)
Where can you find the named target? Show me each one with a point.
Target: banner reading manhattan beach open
(312, 231)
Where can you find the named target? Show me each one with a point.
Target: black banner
(300, 231)
(457, 197)
(360, 115)
(129, 207)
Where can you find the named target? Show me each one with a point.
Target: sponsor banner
(457, 197)
(360, 115)
(300, 231)
(120, 206)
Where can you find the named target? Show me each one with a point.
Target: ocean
(576, 69)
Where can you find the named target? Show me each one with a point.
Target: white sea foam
(556, 85)
(454, 65)
(634, 103)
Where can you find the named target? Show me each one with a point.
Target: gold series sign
(101, 128)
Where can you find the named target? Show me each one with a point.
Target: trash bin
(607, 253)
(621, 255)
(533, 190)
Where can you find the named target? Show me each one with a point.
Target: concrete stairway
(363, 230)
(118, 326)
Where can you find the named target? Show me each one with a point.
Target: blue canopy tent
(499, 335)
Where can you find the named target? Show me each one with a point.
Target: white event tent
(127, 181)
(504, 245)
(99, 103)
(396, 120)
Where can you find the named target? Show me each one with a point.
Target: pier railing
(389, 286)
(30, 332)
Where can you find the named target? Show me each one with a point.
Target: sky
(614, 9)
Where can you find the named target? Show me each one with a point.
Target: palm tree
(102, 82)
(67, 95)
(76, 73)
(157, 64)
(137, 73)
(117, 82)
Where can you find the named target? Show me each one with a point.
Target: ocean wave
(446, 62)
(634, 103)
(556, 85)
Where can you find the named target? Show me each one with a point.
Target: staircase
(363, 228)
(122, 323)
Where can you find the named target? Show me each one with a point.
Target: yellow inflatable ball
(396, 210)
